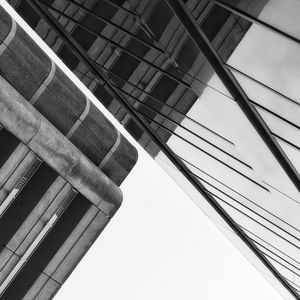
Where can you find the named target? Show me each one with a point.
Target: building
(61, 165)
(209, 89)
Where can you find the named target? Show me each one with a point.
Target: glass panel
(270, 78)
(292, 153)
(259, 230)
(283, 15)
(181, 180)
(255, 56)
(271, 100)
(256, 199)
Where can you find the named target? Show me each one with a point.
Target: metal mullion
(136, 17)
(281, 192)
(185, 128)
(278, 256)
(87, 10)
(286, 141)
(200, 178)
(255, 221)
(262, 84)
(262, 208)
(248, 17)
(128, 11)
(269, 244)
(142, 60)
(155, 99)
(200, 149)
(280, 263)
(245, 206)
(275, 115)
(267, 109)
(250, 209)
(294, 284)
(158, 100)
(181, 114)
(82, 55)
(234, 88)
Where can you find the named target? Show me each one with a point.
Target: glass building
(210, 90)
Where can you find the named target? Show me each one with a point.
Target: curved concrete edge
(86, 173)
(111, 200)
(30, 127)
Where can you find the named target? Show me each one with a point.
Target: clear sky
(161, 246)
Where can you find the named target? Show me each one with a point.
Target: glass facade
(212, 94)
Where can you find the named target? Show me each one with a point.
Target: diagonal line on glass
(82, 55)
(234, 88)
(132, 54)
(242, 100)
(252, 19)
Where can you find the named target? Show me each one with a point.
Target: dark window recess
(153, 103)
(17, 292)
(105, 9)
(143, 36)
(147, 111)
(103, 95)
(163, 13)
(125, 66)
(214, 22)
(164, 88)
(8, 144)
(84, 38)
(134, 129)
(188, 54)
(157, 106)
(48, 248)
(118, 81)
(118, 2)
(25, 202)
(137, 47)
(175, 71)
(29, 15)
(68, 57)
(93, 23)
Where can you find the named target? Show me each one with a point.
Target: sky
(159, 245)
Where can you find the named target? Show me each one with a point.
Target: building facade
(61, 166)
(210, 90)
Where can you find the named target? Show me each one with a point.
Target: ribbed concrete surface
(21, 119)
(54, 214)
(59, 100)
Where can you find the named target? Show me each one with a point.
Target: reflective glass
(283, 15)
(270, 59)
(258, 199)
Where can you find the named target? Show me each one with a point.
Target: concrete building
(210, 90)
(160, 74)
(61, 164)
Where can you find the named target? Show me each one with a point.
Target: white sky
(160, 246)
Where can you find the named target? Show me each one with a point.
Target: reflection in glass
(283, 15)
